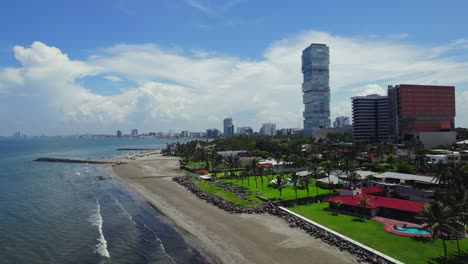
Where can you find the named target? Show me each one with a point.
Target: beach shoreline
(219, 236)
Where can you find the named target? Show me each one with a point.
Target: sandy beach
(221, 237)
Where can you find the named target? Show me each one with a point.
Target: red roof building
(372, 190)
(379, 201)
(202, 172)
(378, 206)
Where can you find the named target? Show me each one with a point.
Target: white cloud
(112, 78)
(370, 89)
(205, 8)
(9, 77)
(177, 90)
(210, 9)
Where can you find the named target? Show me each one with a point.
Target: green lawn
(372, 234)
(195, 165)
(225, 195)
(271, 193)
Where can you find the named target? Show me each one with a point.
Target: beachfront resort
(401, 206)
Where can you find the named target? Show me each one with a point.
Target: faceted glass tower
(316, 88)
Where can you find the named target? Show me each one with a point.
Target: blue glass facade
(316, 87)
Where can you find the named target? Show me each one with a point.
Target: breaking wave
(96, 220)
(123, 210)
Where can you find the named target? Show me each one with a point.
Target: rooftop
(406, 177)
(379, 201)
(370, 190)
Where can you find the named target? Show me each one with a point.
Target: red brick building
(420, 108)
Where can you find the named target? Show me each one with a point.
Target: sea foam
(125, 212)
(96, 220)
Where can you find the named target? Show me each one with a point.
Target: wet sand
(222, 237)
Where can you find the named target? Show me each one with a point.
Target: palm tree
(353, 178)
(253, 170)
(236, 163)
(262, 172)
(437, 216)
(443, 176)
(279, 184)
(338, 204)
(295, 179)
(364, 202)
(314, 171)
(328, 168)
(306, 182)
(278, 156)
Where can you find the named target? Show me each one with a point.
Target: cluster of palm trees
(447, 215)
(448, 211)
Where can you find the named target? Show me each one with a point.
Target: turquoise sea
(75, 213)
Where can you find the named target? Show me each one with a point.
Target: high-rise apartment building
(119, 133)
(371, 118)
(341, 121)
(244, 130)
(228, 127)
(420, 108)
(212, 133)
(134, 132)
(289, 131)
(268, 129)
(316, 88)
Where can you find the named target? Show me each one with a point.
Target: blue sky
(99, 66)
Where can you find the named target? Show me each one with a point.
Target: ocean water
(74, 213)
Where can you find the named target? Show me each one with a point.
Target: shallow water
(75, 213)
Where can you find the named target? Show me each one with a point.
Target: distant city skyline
(121, 67)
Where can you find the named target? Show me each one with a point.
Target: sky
(75, 67)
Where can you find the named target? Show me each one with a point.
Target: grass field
(271, 193)
(225, 195)
(371, 233)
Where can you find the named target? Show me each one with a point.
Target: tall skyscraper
(370, 118)
(228, 127)
(420, 108)
(134, 132)
(119, 133)
(316, 88)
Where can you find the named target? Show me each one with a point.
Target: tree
(353, 178)
(262, 173)
(255, 171)
(305, 181)
(314, 171)
(295, 179)
(443, 176)
(280, 183)
(338, 204)
(328, 168)
(347, 167)
(364, 202)
(438, 216)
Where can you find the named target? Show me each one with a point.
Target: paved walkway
(390, 223)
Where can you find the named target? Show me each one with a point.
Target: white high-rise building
(244, 130)
(268, 129)
(316, 88)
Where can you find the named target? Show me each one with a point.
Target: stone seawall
(364, 253)
(50, 159)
